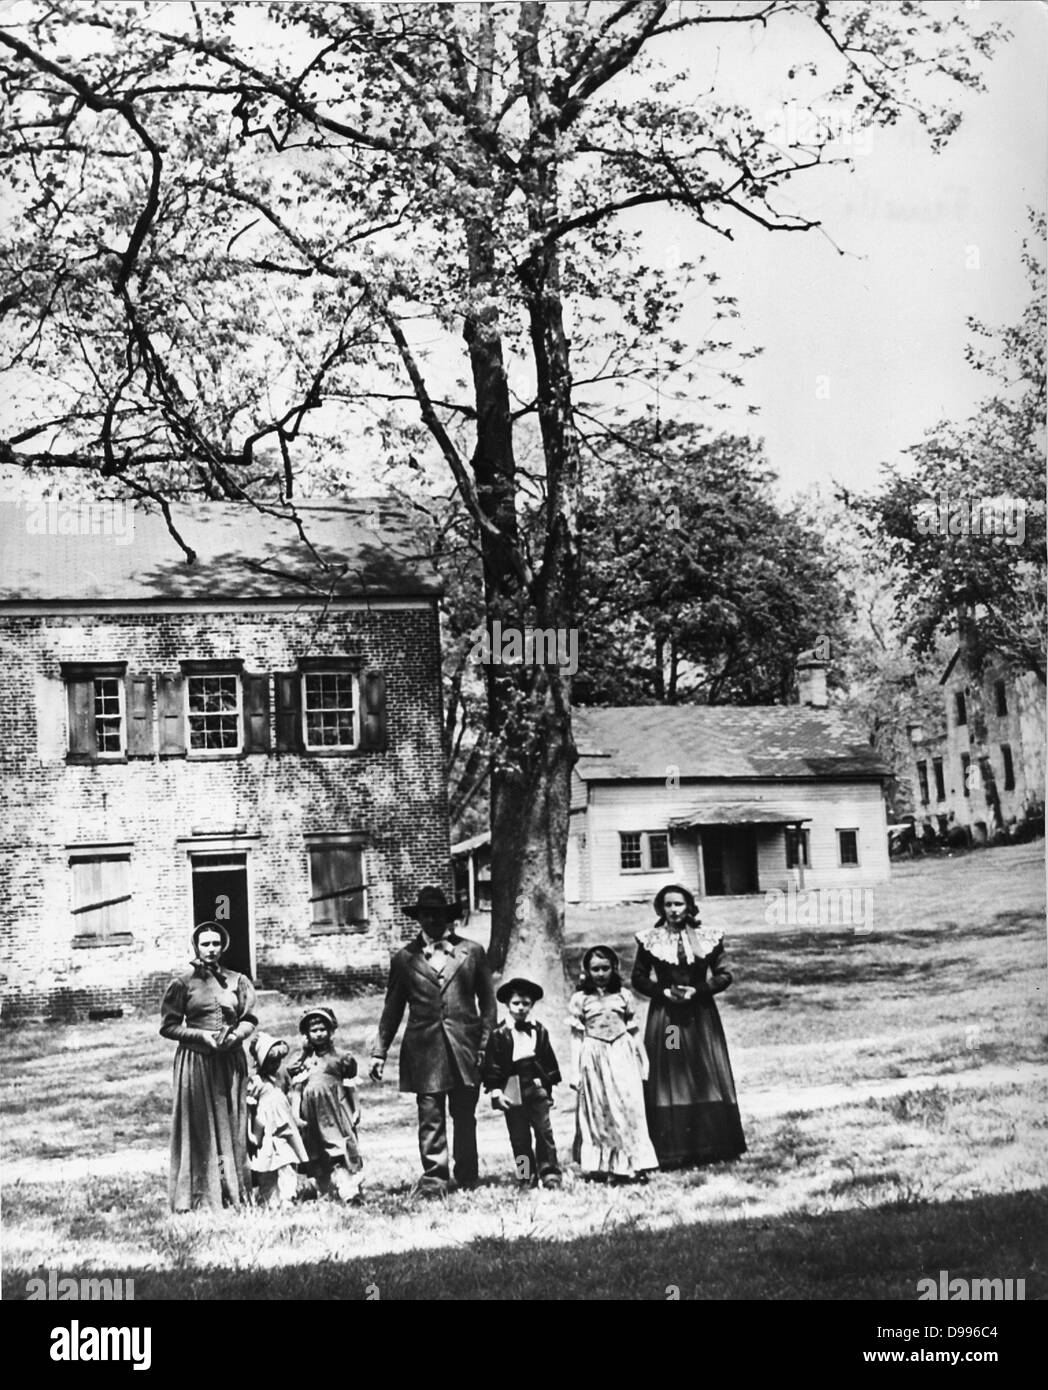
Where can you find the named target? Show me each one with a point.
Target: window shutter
(171, 716)
(373, 722)
(288, 686)
(256, 713)
(138, 704)
(83, 745)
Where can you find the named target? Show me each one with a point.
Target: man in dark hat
(445, 983)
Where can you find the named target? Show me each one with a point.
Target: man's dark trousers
(433, 1137)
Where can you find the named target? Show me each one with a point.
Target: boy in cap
(520, 1072)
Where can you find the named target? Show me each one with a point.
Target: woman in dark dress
(207, 1011)
(693, 1114)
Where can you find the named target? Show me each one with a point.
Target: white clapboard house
(724, 799)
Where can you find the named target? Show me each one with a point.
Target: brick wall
(397, 798)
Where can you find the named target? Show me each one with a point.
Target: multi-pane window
(644, 850)
(109, 714)
(629, 851)
(101, 893)
(797, 847)
(848, 845)
(330, 709)
(338, 891)
(658, 851)
(940, 779)
(966, 773)
(213, 712)
(922, 782)
(96, 695)
(1009, 767)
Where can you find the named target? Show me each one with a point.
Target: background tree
(943, 578)
(226, 221)
(697, 585)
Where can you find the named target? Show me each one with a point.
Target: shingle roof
(364, 547)
(721, 741)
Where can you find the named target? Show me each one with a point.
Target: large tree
(230, 218)
(952, 558)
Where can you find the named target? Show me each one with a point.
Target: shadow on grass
(860, 1255)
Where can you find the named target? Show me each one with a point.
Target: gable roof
(87, 552)
(721, 741)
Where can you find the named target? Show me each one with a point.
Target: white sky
(886, 322)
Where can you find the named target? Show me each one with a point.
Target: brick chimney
(811, 681)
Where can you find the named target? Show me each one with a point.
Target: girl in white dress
(611, 1132)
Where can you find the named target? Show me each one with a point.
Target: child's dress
(274, 1142)
(327, 1121)
(611, 1132)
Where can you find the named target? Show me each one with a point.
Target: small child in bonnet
(274, 1143)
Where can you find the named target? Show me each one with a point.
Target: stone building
(254, 737)
(982, 764)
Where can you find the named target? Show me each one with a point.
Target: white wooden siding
(623, 806)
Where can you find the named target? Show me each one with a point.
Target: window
(922, 781)
(966, 773)
(629, 851)
(940, 780)
(1000, 691)
(213, 712)
(797, 848)
(100, 892)
(1009, 768)
(338, 892)
(960, 707)
(96, 701)
(644, 851)
(848, 846)
(329, 704)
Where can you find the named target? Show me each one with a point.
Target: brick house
(982, 765)
(254, 737)
(724, 799)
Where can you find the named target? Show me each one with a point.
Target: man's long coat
(450, 1015)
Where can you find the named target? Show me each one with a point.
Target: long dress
(209, 1163)
(692, 1108)
(328, 1132)
(611, 1135)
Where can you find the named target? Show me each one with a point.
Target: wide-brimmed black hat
(325, 1015)
(518, 985)
(434, 898)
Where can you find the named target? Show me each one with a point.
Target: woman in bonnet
(693, 1114)
(207, 1011)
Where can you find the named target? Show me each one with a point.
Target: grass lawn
(893, 1087)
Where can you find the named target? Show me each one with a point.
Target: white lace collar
(662, 940)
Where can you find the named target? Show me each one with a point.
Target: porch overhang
(733, 814)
